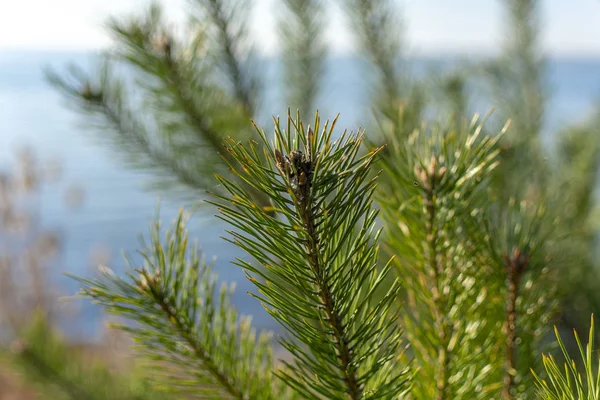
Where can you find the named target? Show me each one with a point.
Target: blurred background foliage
(39, 359)
(166, 100)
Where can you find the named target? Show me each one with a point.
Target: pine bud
(163, 45)
(421, 176)
(90, 94)
(297, 169)
(282, 163)
(143, 283)
(517, 261)
(441, 173)
(431, 171)
(156, 277)
(309, 139)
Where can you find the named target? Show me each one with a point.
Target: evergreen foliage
(58, 372)
(302, 27)
(474, 297)
(433, 187)
(193, 334)
(569, 383)
(322, 250)
(51, 365)
(397, 99)
(175, 108)
(562, 178)
(524, 241)
(492, 234)
(573, 184)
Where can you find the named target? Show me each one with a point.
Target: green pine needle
(432, 186)
(318, 254)
(191, 331)
(571, 383)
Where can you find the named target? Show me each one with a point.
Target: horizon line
(414, 53)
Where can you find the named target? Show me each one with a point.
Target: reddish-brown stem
(515, 265)
(322, 286)
(429, 180)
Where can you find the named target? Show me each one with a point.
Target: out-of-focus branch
(302, 28)
(229, 22)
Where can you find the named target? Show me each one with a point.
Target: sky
(571, 27)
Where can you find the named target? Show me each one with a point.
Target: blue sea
(118, 205)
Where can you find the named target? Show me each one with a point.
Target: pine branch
(323, 288)
(378, 27)
(302, 28)
(569, 383)
(434, 262)
(515, 265)
(209, 351)
(398, 98)
(148, 45)
(322, 253)
(519, 89)
(432, 192)
(229, 20)
(575, 176)
(108, 105)
(524, 244)
(166, 110)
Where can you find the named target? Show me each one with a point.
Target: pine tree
(434, 185)
(485, 228)
(317, 274)
(318, 245)
(562, 178)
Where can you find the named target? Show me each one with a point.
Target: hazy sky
(570, 26)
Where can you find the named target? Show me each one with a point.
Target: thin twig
(321, 282)
(201, 353)
(429, 179)
(515, 266)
